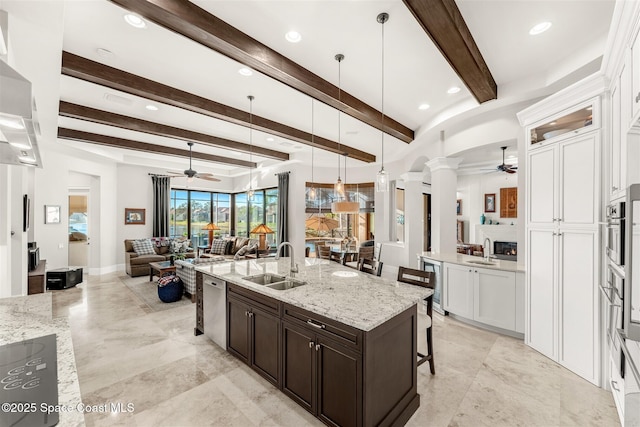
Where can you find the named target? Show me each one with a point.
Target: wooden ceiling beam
(97, 73)
(81, 112)
(195, 23)
(444, 24)
(129, 144)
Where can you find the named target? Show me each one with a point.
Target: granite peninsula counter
(343, 346)
(27, 317)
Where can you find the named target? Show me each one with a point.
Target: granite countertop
(27, 317)
(357, 299)
(497, 264)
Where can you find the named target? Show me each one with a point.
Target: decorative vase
(482, 219)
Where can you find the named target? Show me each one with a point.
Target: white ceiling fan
(190, 173)
(505, 167)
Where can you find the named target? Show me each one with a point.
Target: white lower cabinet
(484, 295)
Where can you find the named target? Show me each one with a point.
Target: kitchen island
(343, 345)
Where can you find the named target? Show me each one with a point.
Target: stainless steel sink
(265, 278)
(481, 262)
(288, 283)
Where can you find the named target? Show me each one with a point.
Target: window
(399, 215)
(263, 209)
(192, 210)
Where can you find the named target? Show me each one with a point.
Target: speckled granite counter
(30, 317)
(357, 299)
(496, 264)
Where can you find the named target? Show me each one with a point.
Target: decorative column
(413, 216)
(444, 182)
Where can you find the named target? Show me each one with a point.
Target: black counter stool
(426, 279)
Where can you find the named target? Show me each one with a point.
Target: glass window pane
(241, 215)
(222, 213)
(200, 216)
(178, 213)
(271, 215)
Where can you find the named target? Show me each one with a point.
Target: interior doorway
(79, 228)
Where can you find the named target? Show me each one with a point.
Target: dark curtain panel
(161, 200)
(283, 211)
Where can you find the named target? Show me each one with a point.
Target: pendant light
(312, 191)
(345, 206)
(382, 177)
(338, 187)
(250, 193)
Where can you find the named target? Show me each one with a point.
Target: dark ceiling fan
(190, 173)
(505, 167)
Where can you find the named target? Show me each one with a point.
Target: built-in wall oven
(632, 264)
(613, 291)
(615, 232)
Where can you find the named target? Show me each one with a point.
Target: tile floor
(128, 354)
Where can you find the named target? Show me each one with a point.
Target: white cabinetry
(563, 187)
(488, 296)
(458, 289)
(620, 113)
(635, 79)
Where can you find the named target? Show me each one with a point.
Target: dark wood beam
(128, 144)
(189, 20)
(95, 72)
(443, 22)
(81, 112)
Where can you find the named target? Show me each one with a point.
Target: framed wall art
(490, 202)
(52, 214)
(134, 216)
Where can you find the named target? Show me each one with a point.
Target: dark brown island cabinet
(342, 375)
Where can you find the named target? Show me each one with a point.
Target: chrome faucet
(486, 249)
(294, 266)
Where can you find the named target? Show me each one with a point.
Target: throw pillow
(217, 247)
(240, 242)
(252, 248)
(241, 252)
(143, 247)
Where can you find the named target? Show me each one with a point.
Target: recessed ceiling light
(134, 20)
(539, 28)
(293, 36)
(151, 107)
(270, 139)
(11, 123)
(453, 89)
(245, 71)
(105, 53)
(424, 107)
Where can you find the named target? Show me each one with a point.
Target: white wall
(471, 190)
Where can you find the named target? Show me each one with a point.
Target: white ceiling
(415, 71)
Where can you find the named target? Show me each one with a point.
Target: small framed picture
(134, 216)
(490, 202)
(459, 207)
(52, 214)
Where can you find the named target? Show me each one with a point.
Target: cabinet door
(339, 384)
(494, 298)
(580, 180)
(541, 273)
(265, 344)
(238, 328)
(458, 290)
(635, 74)
(298, 365)
(542, 188)
(614, 158)
(578, 302)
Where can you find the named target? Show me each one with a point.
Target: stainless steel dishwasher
(214, 296)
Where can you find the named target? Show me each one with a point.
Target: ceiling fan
(505, 167)
(190, 173)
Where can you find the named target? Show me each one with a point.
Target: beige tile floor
(126, 354)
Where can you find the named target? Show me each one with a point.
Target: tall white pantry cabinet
(563, 194)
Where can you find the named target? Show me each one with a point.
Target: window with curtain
(191, 210)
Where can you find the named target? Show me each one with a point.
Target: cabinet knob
(317, 347)
(311, 343)
(638, 97)
(614, 188)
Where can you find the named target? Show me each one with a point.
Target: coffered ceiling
(111, 71)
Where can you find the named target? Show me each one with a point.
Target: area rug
(147, 293)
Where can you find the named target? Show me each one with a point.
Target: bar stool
(370, 266)
(426, 279)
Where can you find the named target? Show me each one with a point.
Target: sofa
(232, 248)
(137, 263)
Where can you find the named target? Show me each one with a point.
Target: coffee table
(160, 268)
